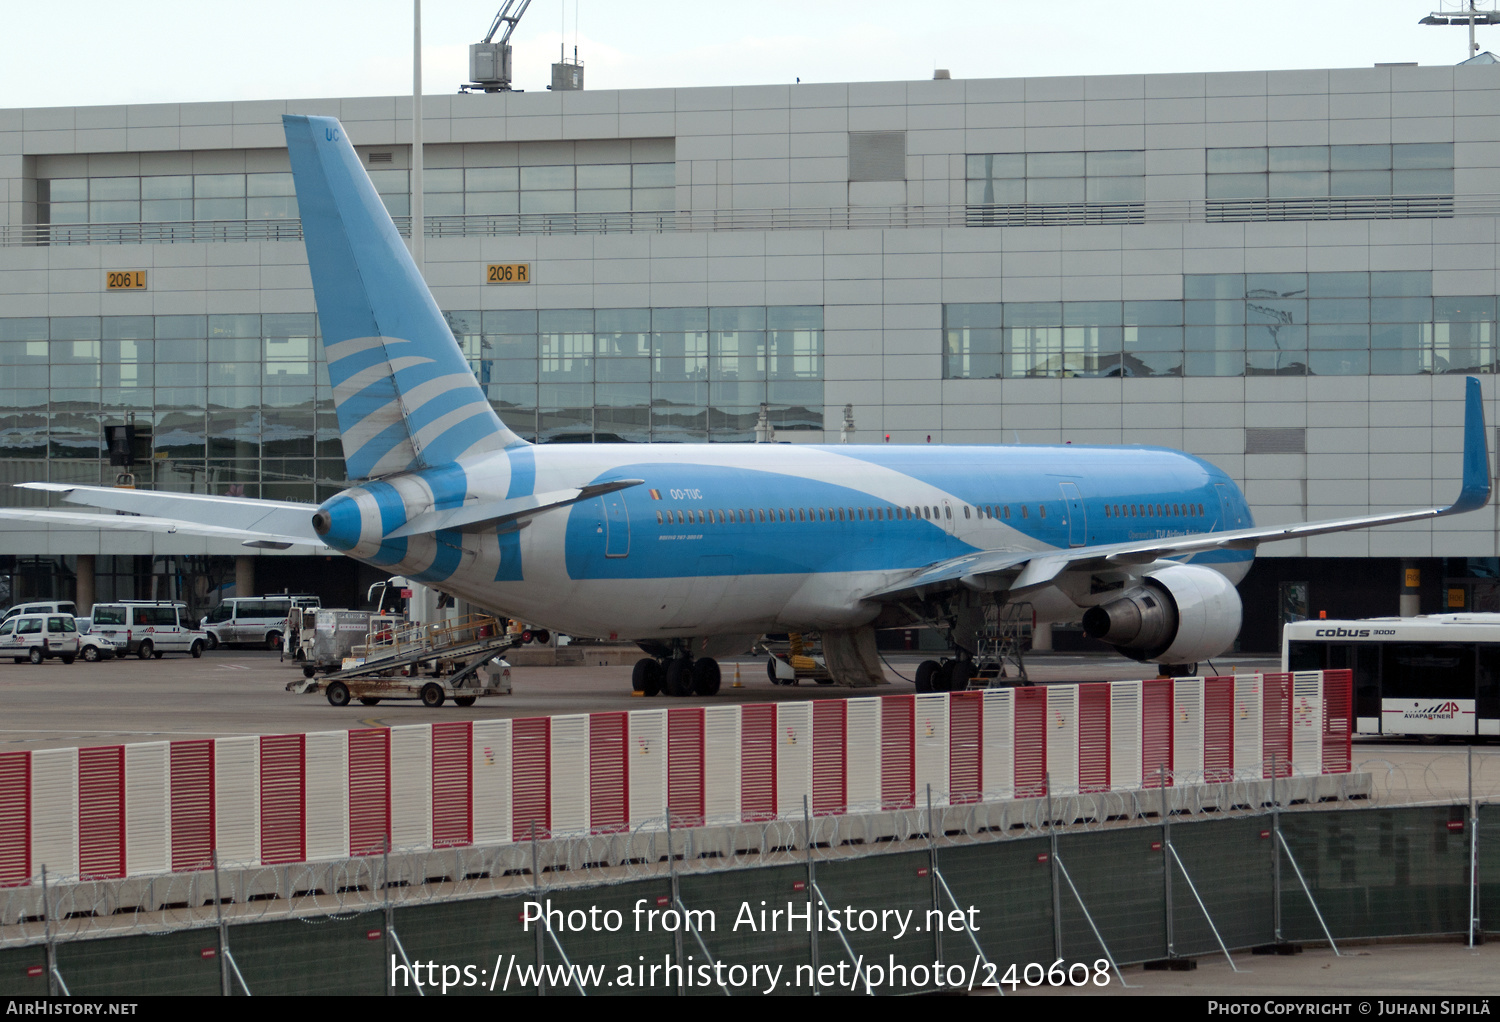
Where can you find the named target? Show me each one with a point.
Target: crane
(489, 61)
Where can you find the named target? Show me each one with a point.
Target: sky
(84, 53)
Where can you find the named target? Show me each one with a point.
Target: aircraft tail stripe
(449, 430)
(459, 439)
(374, 308)
(362, 462)
(522, 473)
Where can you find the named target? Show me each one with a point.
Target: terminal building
(1288, 273)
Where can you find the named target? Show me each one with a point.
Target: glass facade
(1281, 324)
(241, 403)
(1320, 171)
(447, 192)
(1043, 178)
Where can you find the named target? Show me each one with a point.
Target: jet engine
(1178, 615)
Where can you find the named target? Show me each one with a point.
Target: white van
(43, 607)
(253, 620)
(38, 637)
(149, 629)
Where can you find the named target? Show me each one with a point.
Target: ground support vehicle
(328, 637)
(458, 660)
(149, 628)
(797, 659)
(1432, 677)
(39, 637)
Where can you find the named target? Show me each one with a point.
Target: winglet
(1476, 488)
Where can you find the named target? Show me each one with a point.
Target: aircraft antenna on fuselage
(405, 394)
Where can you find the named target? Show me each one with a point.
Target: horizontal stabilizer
(502, 512)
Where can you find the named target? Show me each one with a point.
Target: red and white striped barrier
(159, 807)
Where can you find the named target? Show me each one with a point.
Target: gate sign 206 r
(508, 273)
(125, 280)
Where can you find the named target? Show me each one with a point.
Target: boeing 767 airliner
(694, 551)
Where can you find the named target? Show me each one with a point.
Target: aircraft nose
(337, 522)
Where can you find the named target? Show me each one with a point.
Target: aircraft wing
(138, 523)
(263, 524)
(1022, 571)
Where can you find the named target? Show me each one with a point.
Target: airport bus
(1431, 677)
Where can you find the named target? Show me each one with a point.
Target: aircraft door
(1078, 522)
(1230, 515)
(948, 516)
(616, 525)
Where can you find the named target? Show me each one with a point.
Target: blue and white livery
(693, 551)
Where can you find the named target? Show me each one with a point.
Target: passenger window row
(888, 513)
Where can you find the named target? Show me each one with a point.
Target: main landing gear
(945, 675)
(676, 675)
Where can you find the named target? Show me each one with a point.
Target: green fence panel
(1376, 872)
(622, 939)
(1489, 868)
(471, 938)
(1009, 886)
(756, 957)
(184, 962)
(17, 966)
(324, 955)
(1120, 877)
(883, 903)
(1230, 863)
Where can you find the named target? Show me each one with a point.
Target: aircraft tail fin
(405, 395)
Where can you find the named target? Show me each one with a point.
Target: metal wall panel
(998, 758)
(531, 776)
(283, 835)
(1030, 748)
(793, 757)
(1158, 723)
(862, 780)
(648, 767)
(54, 812)
(1307, 723)
(1093, 737)
(492, 784)
(1218, 729)
(609, 773)
(898, 748)
(1247, 726)
(326, 754)
(101, 812)
(758, 762)
(191, 780)
(1125, 735)
(721, 765)
(369, 790)
(1062, 738)
(930, 750)
(685, 767)
(15, 818)
(1187, 730)
(147, 798)
(1276, 748)
(829, 757)
(568, 779)
(237, 800)
(411, 786)
(1338, 720)
(965, 746)
(452, 802)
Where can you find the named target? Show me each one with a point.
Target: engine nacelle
(1178, 615)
